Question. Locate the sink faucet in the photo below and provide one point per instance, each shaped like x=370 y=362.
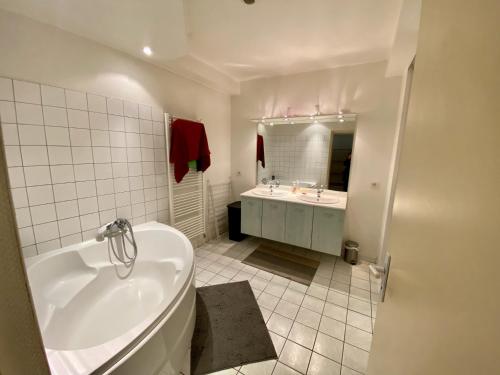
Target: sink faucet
x=115 y=229
x=319 y=190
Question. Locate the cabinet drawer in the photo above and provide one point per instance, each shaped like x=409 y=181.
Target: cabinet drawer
x=328 y=228
x=251 y=216
x=298 y=225
x=273 y=220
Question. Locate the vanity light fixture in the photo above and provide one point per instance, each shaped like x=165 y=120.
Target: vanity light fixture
x=307 y=119
x=147 y=51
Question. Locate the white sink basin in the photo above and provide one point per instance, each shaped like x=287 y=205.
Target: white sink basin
x=269 y=193
x=313 y=198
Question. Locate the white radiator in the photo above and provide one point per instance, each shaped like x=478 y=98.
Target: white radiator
x=187 y=198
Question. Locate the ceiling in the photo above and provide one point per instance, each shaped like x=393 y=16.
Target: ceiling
x=227 y=41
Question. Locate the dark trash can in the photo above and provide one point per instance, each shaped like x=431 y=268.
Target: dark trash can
x=234 y=221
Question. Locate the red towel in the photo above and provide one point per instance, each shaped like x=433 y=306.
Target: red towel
x=188 y=142
x=260 y=150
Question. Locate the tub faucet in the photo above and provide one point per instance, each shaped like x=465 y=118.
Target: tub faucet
x=116 y=230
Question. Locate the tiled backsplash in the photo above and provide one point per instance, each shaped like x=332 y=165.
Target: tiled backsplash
x=296 y=152
x=78 y=160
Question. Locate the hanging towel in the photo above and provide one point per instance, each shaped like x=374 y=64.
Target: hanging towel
x=260 y=150
x=188 y=142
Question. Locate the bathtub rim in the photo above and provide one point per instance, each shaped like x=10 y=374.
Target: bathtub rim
x=151 y=329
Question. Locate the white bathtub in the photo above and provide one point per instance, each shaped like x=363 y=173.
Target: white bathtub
x=98 y=318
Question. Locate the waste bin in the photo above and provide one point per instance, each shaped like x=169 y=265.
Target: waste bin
x=234 y=221
x=351 y=252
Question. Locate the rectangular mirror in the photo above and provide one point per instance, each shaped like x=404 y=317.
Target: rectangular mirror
x=307 y=154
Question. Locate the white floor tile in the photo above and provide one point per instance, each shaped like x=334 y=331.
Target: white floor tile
x=320 y=365
x=337 y=298
x=275 y=289
x=287 y=309
x=355 y=358
x=302 y=335
x=335 y=312
x=317 y=291
x=360 y=306
x=295 y=356
x=313 y=304
x=229 y=371
x=268 y=301
x=308 y=318
x=359 y=321
x=293 y=296
x=348 y=371
x=279 y=324
x=281 y=369
x=332 y=327
x=259 y=368
x=278 y=342
x=358 y=338
x=329 y=347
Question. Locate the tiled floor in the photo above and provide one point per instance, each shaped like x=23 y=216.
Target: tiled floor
x=322 y=329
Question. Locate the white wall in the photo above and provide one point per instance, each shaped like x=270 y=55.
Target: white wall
x=36 y=52
x=361 y=89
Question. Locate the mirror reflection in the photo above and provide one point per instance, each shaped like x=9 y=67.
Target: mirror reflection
x=306 y=155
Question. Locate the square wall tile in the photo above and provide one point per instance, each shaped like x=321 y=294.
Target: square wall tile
x=145 y=112
x=87 y=205
x=57 y=136
x=19 y=197
x=60 y=155
x=132 y=125
x=13 y=156
x=98 y=121
x=16 y=177
x=39 y=175
x=47 y=246
x=26 y=236
x=23 y=217
x=27 y=92
x=64 y=192
x=7 y=112
x=76 y=100
x=103 y=171
x=89 y=221
x=96 y=103
x=43 y=214
x=54 y=116
x=67 y=209
x=84 y=172
x=80 y=137
x=62 y=174
x=130 y=109
x=53 y=96
x=31 y=135
x=69 y=226
x=30 y=114
x=78 y=119
x=34 y=155
x=117 y=139
x=115 y=106
x=46 y=232
x=10 y=134
x=116 y=123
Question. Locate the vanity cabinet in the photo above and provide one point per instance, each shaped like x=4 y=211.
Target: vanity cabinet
x=251 y=216
x=328 y=226
x=273 y=220
x=298 y=224
x=311 y=227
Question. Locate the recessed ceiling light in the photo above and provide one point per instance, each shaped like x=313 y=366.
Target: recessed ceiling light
x=341 y=120
x=147 y=51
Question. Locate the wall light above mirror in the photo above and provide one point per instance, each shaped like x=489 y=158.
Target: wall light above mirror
x=307 y=119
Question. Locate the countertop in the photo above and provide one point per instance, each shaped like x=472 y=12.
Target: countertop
x=293 y=197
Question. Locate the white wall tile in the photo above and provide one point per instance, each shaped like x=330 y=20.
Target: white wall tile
x=46 y=232
x=124 y=211
x=84 y=172
x=31 y=135
x=7 y=112
x=16 y=177
x=57 y=136
x=67 y=209
x=39 y=175
x=118 y=154
x=30 y=114
x=6 y=92
x=157 y=115
x=40 y=195
x=86 y=189
x=103 y=171
x=47 y=246
x=27 y=92
x=137 y=196
x=148 y=154
x=59 y=155
x=55 y=116
x=64 y=192
x=96 y=103
x=105 y=187
x=147 y=140
x=101 y=154
x=136 y=183
x=26 y=236
x=120 y=170
x=82 y=155
x=69 y=226
x=145 y=112
x=116 y=123
x=19 y=197
x=34 y=155
x=117 y=139
x=29 y=251
x=133 y=140
x=130 y=109
x=89 y=221
x=10 y=134
x=23 y=217
x=76 y=100
x=133 y=154
x=62 y=174
x=134 y=169
x=121 y=184
x=13 y=156
x=107 y=216
x=53 y=96
x=158 y=128
x=146 y=126
x=99 y=138
x=122 y=199
x=106 y=202
x=80 y=137
x=98 y=120
x=43 y=214
x=78 y=119
x=138 y=210
x=115 y=106
x=132 y=125
x=87 y=205
x=71 y=239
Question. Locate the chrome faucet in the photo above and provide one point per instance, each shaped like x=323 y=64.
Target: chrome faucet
x=112 y=231
x=319 y=190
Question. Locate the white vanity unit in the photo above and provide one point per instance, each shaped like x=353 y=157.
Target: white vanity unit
x=299 y=219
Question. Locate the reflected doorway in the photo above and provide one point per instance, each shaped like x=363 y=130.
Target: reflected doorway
x=340 y=161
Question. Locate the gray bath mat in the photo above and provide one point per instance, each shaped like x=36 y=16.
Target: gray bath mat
x=229 y=330
x=283 y=263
